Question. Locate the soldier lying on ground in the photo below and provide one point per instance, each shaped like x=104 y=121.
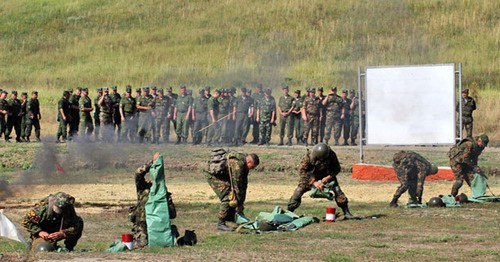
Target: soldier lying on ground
x=411 y=170
x=53 y=219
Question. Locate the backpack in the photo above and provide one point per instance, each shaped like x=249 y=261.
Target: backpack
x=217 y=164
x=457 y=149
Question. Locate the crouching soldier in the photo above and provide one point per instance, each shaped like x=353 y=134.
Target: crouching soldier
x=411 y=170
x=227 y=174
x=138 y=212
x=54 y=219
x=318 y=169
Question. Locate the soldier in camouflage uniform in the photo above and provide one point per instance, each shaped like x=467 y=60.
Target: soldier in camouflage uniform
x=346 y=121
x=14 y=119
x=411 y=170
x=182 y=112
x=170 y=111
x=463 y=160
x=4 y=111
x=199 y=115
x=75 y=113
x=145 y=106
x=242 y=112
x=354 y=108
x=63 y=116
x=248 y=121
x=117 y=119
x=266 y=114
x=33 y=116
x=285 y=106
x=106 y=107
x=311 y=113
x=128 y=109
x=138 y=212
x=213 y=133
x=225 y=110
x=257 y=96
x=54 y=219
x=97 y=112
x=22 y=115
x=322 y=122
x=86 y=125
x=226 y=172
x=317 y=169
x=468 y=107
x=231 y=119
x=160 y=120
x=334 y=115
x=298 y=122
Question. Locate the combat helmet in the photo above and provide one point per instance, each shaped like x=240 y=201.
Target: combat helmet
x=266 y=225
x=320 y=151
x=436 y=202
x=45 y=247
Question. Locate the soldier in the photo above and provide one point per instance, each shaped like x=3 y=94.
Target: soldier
x=162 y=105
x=298 y=122
x=242 y=111
x=13 y=118
x=22 y=115
x=257 y=96
x=248 y=120
x=97 y=112
x=138 y=212
x=346 y=121
x=334 y=115
x=170 y=111
x=86 y=125
x=231 y=119
x=64 y=117
x=199 y=115
x=213 y=133
x=227 y=175
x=117 y=119
x=411 y=170
x=285 y=106
x=207 y=92
x=128 y=116
x=33 y=116
x=266 y=114
x=355 y=116
x=322 y=122
x=311 y=113
x=190 y=121
x=106 y=107
x=54 y=219
x=225 y=110
x=317 y=169
x=145 y=106
x=75 y=113
x=463 y=160
x=468 y=107
x=4 y=111
x=182 y=111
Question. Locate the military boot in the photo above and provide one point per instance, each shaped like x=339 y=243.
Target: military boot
x=281 y=141
x=394 y=202
x=184 y=140
x=289 y=143
x=221 y=225
x=326 y=141
x=336 y=142
x=347 y=213
x=345 y=142
x=178 y=141
x=353 y=142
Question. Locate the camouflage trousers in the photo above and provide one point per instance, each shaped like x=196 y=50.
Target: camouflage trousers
x=23 y=126
x=334 y=122
x=322 y=127
x=468 y=124
x=222 y=189
x=199 y=123
x=265 y=129
x=286 y=124
x=144 y=126
x=311 y=124
x=255 y=129
x=182 y=129
x=106 y=127
x=296 y=199
x=410 y=182
x=161 y=123
x=462 y=172
x=140 y=232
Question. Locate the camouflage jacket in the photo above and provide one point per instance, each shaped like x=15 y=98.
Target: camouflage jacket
x=466 y=152
x=43 y=218
x=334 y=103
x=312 y=105
x=236 y=168
x=85 y=102
x=411 y=161
x=162 y=105
x=313 y=170
x=243 y=104
x=468 y=106
x=285 y=103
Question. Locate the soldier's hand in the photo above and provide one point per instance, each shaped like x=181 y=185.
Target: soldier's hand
x=318 y=185
x=257 y=120
x=174 y=117
x=187 y=117
x=64 y=118
x=342 y=116
x=155 y=156
x=44 y=235
x=272 y=121
x=56 y=235
x=304 y=118
x=477 y=170
x=123 y=119
x=325 y=179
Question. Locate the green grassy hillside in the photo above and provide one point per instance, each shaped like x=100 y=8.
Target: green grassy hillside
x=51 y=45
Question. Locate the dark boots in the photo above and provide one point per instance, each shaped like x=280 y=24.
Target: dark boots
x=289 y=143
x=353 y=142
x=178 y=140
x=281 y=141
x=394 y=202
x=221 y=225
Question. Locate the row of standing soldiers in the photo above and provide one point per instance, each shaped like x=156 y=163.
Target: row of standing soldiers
x=20 y=115
x=221 y=117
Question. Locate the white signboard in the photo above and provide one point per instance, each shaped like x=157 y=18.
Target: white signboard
x=410 y=105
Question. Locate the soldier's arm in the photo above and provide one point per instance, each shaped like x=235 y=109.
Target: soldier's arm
x=251 y=111
x=140 y=181
x=258 y=115
x=306 y=172
x=238 y=180
x=121 y=113
x=75 y=225
x=325 y=100
x=467 y=154
x=31 y=221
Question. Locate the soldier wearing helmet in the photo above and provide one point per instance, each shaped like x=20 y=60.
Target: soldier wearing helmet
x=318 y=168
x=411 y=170
x=54 y=219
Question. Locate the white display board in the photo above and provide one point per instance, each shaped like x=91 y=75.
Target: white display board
x=410 y=105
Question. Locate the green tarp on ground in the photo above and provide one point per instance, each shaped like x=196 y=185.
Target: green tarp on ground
x=286 y=220
x=157 y=215
x=478 y=187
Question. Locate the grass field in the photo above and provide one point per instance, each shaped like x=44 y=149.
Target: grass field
x=100 y=177
x=53 y=45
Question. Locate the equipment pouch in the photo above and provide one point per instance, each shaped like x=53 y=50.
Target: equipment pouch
x=233 y=201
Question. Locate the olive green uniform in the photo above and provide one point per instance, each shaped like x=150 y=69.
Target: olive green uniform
x=225 y=108
x=117 y=119
x=243 y=105
x=75 y=115
x=106 y=117
x=129 y=128
x=200 y=107
x=182 y=104
x=322 y=122
x=286 y=122
x=3 y=124
x=312 y=107
x=334 y=107
x=22 y=116
x=32 y=120
x=468 y=107
x=214 y=131
x=266 y=109
x=298 y=122
x=14 y=118
x=355 y=120
x=248 y=120
x=63 y=124
x=145 y=117
x=346 y=122
x=97 y=118
x=255 y=125
x=86 y=123
x=161 y=111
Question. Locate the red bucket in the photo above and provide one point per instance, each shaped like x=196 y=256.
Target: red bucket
x=127 y=238
x=330 y=214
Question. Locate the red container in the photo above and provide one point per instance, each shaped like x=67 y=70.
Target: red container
x=127 y=238
x=457 y=200
x=330 y=214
